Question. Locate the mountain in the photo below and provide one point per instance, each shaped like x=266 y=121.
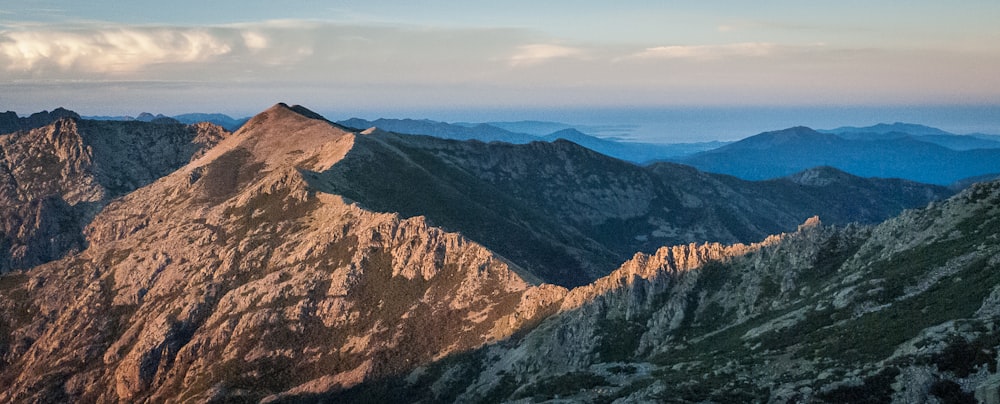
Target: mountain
x=481 y=132
x=906 y=311
x=919 y=132
x=10 y=122
x=782 y=153
x=233 y=279
x=536 y=128
x=55 y=178
x=148 y=117
x=567 y=213
x=300 y=260
x=635 y=152
x=961 y=142
x=911 y=129
x=225 y=121
x=222 y=120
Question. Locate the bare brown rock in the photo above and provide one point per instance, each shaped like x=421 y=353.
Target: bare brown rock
x=294 y=289
x=55 y=177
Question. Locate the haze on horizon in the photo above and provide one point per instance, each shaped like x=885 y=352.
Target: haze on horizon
x=114 y=58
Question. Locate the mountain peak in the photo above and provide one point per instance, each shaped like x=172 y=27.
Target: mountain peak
x=281 y=114
x=285 y=136
x=820 y=176
x=283 y=108
x=795 y=135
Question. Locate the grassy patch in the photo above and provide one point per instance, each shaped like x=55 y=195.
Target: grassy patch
x=875 y=335
x=962 y=357
x=704 y=385
x=618 y=339
x=564 y=385
x=950 y=392
x=875 y=389
x=503 y=389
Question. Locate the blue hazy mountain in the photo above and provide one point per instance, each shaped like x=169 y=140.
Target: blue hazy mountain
x=784 y=152
x=229 y=123
x=628 y=151
x=923 y=133
x=885 y=128
x=481 y=132
x=537 y=128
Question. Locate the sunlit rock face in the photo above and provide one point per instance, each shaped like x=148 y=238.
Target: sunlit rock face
x=54 y=177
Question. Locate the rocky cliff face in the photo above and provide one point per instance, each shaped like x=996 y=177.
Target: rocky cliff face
x=902 y=312
x=55 y=178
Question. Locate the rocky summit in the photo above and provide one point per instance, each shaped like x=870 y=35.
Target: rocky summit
x=297 y=260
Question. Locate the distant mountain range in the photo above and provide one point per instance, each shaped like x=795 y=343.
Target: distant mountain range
x=884 y=131
x=639 y=153
x=898 y=150
x=223 y=120
x=879 y=151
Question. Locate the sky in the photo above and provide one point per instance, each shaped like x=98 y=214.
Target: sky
x=399 y=58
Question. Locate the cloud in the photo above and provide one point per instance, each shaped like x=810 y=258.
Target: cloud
x=538 y=53
x=295 y=50
x=254 y=40
x=708 y=52
x=106 y=50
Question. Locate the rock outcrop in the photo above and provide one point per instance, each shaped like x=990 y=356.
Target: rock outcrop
x=55 y=178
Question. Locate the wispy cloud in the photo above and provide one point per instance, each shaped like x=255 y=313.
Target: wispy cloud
x=538 y=53
x=708 y=52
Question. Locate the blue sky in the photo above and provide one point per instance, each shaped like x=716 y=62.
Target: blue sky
x=239 y=57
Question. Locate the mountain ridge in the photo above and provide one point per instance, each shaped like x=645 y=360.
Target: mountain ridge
x=10 y=122
x=639 y=153
x=825 y=314
x=567 y=213
x=298 y=260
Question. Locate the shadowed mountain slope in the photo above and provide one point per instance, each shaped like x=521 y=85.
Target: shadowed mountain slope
x=568 y=214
